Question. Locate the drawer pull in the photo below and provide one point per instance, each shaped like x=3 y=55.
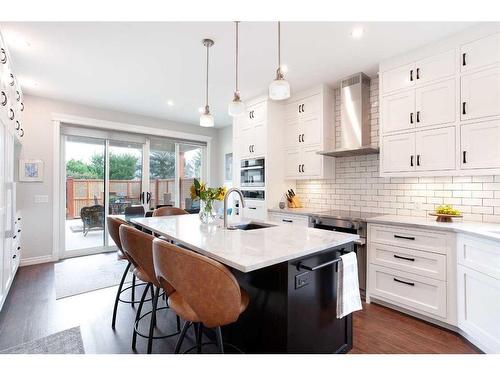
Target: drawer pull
x=403 y=282
x=400 y=257
x=252 y=208
x=404 y=237
x=287 y=220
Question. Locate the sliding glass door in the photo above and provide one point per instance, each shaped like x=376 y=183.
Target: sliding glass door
x=109 y=173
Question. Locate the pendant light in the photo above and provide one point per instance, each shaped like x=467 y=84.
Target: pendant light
x=236 y=107
x=206 y=118
x=279 y=89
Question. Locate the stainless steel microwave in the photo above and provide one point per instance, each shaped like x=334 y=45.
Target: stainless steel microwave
x=253 y=173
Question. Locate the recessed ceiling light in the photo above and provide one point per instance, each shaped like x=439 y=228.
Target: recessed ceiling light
x=17 y=41
x=170 y=103
x=357 y=32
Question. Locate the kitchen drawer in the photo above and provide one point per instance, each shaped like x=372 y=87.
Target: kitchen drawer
x=421 y=294
x=289 y=219
x=417 y=262
x=255 y=209
x=479 y=254
x=409 y=238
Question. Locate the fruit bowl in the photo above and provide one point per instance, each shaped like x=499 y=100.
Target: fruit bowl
x=444 y=218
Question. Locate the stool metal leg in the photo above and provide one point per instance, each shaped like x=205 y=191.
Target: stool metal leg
x=133 y=291
x=181 y=337
x=153 y=320
x=138 y=315
x=199 y=335
x=220 y=343
x=120 y=287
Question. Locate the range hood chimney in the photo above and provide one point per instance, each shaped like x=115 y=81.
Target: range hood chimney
x=355 y=127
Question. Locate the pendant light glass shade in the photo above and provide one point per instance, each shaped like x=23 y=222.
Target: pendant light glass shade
x=236 y=107
x=206 y=118
x=279 y=89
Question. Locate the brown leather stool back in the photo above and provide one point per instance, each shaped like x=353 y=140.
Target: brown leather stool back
x=114 y=231
x=169 y=211
x=138 y=246
x=207 y=286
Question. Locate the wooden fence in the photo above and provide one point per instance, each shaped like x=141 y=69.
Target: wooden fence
x=88 y=192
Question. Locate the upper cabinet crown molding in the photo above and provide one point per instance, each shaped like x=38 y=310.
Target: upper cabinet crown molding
x=437 y=99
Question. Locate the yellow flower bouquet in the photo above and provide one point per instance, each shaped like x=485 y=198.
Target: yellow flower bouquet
x=207 y=196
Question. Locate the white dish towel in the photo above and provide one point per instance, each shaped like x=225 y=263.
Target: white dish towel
x=348 y=299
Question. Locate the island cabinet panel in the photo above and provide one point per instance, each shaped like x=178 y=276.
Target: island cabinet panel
x=292 y=310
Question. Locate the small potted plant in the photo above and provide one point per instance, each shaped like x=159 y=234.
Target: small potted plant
x=207 y=196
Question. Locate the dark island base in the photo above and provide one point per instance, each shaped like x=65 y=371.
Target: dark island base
x=292 y=310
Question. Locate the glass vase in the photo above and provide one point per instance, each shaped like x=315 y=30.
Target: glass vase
x=207 y=212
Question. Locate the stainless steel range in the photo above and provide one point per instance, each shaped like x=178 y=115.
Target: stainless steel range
x=348 y=222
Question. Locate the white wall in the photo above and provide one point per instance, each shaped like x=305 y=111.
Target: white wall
x=358 y=187
x=224 y=146
x=38 y=144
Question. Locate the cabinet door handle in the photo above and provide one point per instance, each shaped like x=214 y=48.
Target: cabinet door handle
x=411 y=75
x=18 y=96
x=404 y=237
x=11 y=114
x=464 y=112
x=299 y=138
x=418 y=116
x=18 y=125
x=302 y=138
x=287 y=221
x=405 y=258
x=411 y=118
x=418 y=73
x=21 y=132
x=22 y=106
x=404 y=282
x=299 y=168
x=299 y=108
x=418 y=160
x=4 y=99
x=302 y=168
x=12 y=81
x=252 y=208
x=464 y=157
x=464 y=62
x=303 y=110
x=411 y=160
x=3 y=56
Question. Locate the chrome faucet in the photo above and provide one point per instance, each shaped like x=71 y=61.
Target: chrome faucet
x=225 y=202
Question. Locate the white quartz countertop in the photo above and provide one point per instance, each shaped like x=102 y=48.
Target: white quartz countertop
x=486 y=230
x=245 y=250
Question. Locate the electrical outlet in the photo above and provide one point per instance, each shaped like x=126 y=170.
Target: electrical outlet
x=41 y=198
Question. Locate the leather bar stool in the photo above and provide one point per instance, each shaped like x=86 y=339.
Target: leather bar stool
x=169 y=211
x=206 y=292
x=138 y=245
x=114 y=224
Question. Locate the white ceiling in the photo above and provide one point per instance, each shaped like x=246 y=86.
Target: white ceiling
x=137 y=67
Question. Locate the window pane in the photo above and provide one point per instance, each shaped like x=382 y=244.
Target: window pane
x=190 y=168
x=162 y=172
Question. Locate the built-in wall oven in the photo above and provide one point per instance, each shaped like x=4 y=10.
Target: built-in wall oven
x=348 y=226
x=252 y=173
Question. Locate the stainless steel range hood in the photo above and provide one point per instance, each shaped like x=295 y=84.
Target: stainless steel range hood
x=355 y=127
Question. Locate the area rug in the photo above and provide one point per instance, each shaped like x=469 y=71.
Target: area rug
x=86 y=274
x=64 y=342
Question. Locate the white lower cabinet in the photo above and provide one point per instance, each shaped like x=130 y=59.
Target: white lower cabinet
x=480 y=145
x=479 y=308
x=255 y=209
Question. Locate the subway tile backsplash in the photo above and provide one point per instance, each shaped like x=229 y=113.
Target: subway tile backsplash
x=358 y=187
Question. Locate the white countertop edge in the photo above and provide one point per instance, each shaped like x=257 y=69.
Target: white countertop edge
x=348 y=238
x=480 y=229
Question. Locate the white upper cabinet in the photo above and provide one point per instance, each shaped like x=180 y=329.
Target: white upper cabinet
x=480 y=94
x=435 y=67
x=479 y=53
x=398 y=78
x=480 y=145
x=435 y=149
x=435 y=104
x=398 y=153
x=398 y=111
x=309 y=128
x=250 y=132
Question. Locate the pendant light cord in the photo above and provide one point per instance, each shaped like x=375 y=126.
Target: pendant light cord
x=279 y=46
x=237 y=55
x=208 y=48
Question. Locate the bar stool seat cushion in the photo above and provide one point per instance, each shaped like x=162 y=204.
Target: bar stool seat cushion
x=182 y=308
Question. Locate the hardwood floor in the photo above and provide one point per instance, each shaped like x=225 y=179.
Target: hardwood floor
x=31 y=311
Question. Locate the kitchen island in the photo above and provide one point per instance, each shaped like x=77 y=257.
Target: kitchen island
x=290 y=273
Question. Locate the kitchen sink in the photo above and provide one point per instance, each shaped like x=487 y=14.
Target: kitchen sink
x=250 y=226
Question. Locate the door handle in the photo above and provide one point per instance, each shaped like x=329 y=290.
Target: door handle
x=404 y=237
x=464 y=112
x=418 y=73
x=464 y=157
x=302 y=138
x=303 y=110
x=411 y=75
x=302 y=168
x=400 y=257
x=411 y=118
x=287 y=221
x=404 y=282
x=411 y=160
x=418 y=116
x=299 y=169
x=464 y=62
x=252 y=208
x=148 y=197
x=418 y=160
x=299 y=138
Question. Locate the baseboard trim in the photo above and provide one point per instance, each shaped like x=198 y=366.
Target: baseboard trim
x=37 y=260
